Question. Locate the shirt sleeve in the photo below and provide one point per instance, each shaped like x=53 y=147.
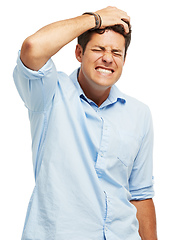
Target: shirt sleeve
x=36 y=88
x=141 y=179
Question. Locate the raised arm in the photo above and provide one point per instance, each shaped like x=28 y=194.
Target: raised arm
x=39 y=47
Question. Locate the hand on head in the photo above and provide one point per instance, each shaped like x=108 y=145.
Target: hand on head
x=111 y=16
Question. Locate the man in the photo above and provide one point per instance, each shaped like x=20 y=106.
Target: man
x=91 y=144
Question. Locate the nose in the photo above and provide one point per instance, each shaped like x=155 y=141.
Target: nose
x=107 y=57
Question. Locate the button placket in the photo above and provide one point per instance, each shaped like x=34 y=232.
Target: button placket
x=107 y=218
x=100 y=163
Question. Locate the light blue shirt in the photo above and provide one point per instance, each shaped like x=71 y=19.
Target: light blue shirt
x=89 y=161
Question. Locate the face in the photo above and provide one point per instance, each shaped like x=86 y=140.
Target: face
x=102 y=61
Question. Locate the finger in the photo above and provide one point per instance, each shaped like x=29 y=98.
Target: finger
x=126 y=25
x=125 y=21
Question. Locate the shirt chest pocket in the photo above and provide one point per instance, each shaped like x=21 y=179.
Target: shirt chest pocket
x=127 y=149
x=124 y=149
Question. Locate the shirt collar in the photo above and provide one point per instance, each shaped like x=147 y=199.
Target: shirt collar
x=115 y=94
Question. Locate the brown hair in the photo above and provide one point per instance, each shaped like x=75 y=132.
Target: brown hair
x=84 y=38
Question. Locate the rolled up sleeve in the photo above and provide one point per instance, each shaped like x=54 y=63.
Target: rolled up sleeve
x=36 y=88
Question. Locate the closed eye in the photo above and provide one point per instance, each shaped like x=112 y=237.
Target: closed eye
x=117 y=53
x=96 y=50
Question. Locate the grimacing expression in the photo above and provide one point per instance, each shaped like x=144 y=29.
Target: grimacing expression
x=103 y=59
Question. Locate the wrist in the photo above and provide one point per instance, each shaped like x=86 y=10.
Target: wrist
x=97 y=18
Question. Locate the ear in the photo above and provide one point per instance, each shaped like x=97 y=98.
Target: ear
x=79 y=52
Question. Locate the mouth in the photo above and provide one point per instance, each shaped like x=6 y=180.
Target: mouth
x=104 y=70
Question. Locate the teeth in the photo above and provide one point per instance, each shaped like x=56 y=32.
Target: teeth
x=102 y=70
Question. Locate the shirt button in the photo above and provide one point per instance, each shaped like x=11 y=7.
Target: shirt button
x=122 y=101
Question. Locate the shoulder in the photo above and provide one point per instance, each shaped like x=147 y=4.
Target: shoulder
x=135 y=104
x=66 y=84
x=136 y=110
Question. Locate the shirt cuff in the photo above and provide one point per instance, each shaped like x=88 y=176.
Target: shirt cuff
x=142 y=194
x=31 y=73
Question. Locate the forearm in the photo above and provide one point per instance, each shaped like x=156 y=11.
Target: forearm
x=147 y=219
x=42 y=45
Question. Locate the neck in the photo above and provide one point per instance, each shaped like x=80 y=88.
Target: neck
x=97 y=97
x=97 y=94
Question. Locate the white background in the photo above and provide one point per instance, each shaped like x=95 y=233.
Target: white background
x=151 y=74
